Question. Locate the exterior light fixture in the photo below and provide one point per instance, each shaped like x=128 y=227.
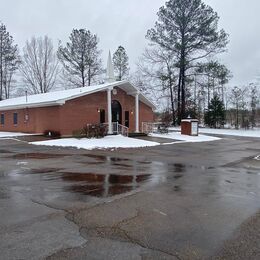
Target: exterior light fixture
x=114 y=91
x=132 y=112
x=98 y=110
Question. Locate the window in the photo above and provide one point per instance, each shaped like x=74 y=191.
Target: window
x=15 y=118
x=2 y=119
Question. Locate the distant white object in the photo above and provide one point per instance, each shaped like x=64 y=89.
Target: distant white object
x=110 y=70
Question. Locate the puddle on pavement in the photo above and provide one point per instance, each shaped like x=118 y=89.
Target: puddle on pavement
x=177 y=167
x=40 y=156
x=176 y=188
x=122 y=165
x=116 y=159
x=137 y=174
x=3 y=195
x=178 y=176
x=99 y=190
x=44 y=170
x=4 y=151
x=96 y=157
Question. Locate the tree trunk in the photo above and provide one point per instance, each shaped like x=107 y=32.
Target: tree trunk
x=172 y=105
x=179 y=99
x=183 y=94
x=1 y=67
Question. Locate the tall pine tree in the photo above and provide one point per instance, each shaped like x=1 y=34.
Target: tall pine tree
x=215 y=116
x=80 y=57
x=9 y=61
x=189 y=29
x=120 y=60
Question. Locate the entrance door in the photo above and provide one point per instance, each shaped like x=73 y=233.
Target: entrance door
x=116 y=112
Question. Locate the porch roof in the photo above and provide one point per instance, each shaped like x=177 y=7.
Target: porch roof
x=56 y=98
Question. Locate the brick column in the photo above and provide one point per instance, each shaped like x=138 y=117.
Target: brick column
x=137 y=112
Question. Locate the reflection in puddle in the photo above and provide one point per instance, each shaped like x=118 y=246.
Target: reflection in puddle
x=4 y=195
x=23 y=156
x=177 y=188
x=87 y=177
x=99 y=190
x=177 y=167
x=126 y=175
x=44 y=170
x=99 y=185
x=178 y=176
x=96 y=157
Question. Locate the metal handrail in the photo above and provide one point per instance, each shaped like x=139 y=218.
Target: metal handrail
x=119 y=129
x=148 y=127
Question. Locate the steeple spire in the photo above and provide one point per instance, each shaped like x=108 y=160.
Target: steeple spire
x=110 y=69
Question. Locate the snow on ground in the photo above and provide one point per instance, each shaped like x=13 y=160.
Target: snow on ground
x=114 y=141
x=11 y=134
x=119 y=141
x=234 y=132
x=241 y=132
x=186 y=138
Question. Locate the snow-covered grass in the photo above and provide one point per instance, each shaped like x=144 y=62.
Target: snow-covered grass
x=186 y=138
x=234 y=132
x=117 y=141
x=11 y=134
x=240 y=132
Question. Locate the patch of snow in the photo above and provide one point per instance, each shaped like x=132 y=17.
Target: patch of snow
x=234 y=132
x=11 y=134
x=117 y=141
x=186 y=138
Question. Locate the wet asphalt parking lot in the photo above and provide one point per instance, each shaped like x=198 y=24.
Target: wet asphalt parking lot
x=179 y=201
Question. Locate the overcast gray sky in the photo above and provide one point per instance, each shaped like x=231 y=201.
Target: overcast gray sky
x=125 y=22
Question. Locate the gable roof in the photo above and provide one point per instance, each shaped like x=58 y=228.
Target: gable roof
x=60 y=97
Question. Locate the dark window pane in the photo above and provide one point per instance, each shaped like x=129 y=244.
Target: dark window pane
x=2 y=119
x=15 y=118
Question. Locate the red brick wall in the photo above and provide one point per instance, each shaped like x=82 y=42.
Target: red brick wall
x=74 y=114
x=39 y=119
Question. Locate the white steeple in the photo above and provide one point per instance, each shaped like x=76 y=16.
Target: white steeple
x=110 y=69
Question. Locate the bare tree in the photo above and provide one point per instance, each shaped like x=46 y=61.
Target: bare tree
x=39 y=66
x=158 y=65
x=237 y=98
x=254 y=101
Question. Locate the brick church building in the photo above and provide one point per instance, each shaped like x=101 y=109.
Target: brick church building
x=69 y=110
